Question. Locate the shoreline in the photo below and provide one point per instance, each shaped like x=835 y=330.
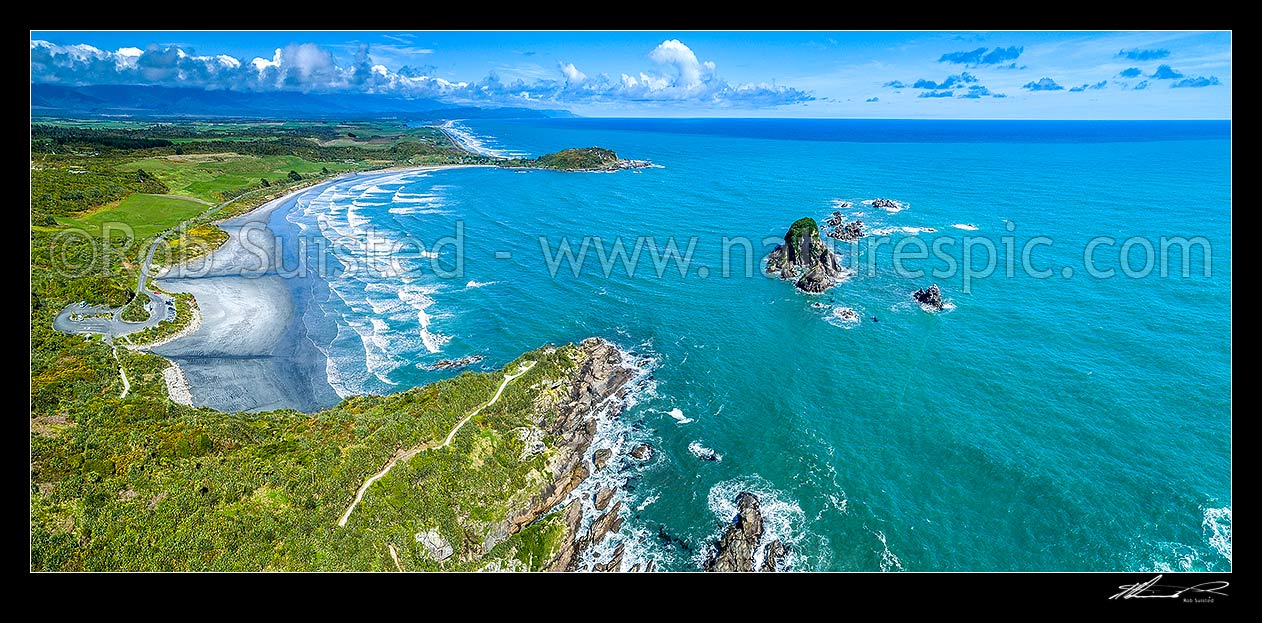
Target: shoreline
x=250 y=349
x=194 y=324
x=460 y=142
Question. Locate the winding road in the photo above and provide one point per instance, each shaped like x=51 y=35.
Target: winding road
x=115 y=326
x=359 y=495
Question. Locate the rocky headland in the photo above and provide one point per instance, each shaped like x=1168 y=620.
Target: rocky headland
x=601 y=373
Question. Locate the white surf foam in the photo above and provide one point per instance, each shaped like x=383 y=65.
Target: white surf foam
x=679 y=416
x=837 y=317
x=912 y=231
x=433 y=341
x=702 y=452
x=965 y=226
x=478 y=284
x=420 y=299
x=1216 y=525
x=474 y=143
x=422 y=199
x=889 y=561
x=947 y=307
x=1171 y=557
x=619 y=435
x=647 y=501
x=782 y=518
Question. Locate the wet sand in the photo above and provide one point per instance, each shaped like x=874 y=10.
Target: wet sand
x=251 y=352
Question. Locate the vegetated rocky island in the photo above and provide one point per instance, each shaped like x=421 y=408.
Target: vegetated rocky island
x=577 y=159
x=804 y=259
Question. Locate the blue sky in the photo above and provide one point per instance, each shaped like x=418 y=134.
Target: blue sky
x=1020 y=75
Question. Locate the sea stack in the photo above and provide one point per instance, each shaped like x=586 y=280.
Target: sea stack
x=735 y=549
x=805 y=259
x=929 y=298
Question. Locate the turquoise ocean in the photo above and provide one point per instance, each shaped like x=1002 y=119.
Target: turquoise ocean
x=1039 y=423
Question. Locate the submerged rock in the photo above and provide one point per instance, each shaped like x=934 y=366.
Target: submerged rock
x=845 y=314
x=704 y=453
x=447 y=364
x=930 y=298
x=805 y=258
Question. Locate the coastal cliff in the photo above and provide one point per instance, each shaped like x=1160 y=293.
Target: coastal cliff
x=569 y=419
x=805 y=259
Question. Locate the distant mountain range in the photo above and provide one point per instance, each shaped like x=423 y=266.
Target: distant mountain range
x=51 y=100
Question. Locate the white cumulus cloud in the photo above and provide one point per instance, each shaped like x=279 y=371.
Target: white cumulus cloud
x=678 y=78
x=674 y=53
x=572 y=74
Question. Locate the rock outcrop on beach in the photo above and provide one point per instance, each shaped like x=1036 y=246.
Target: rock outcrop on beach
x=930 y=298
x=736 y=548
x=805 y=259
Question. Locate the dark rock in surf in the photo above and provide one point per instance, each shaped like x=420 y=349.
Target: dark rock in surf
x=773 y=556
x=602 y=498
x=929 y=298
x=846 y=232
x=600 y=458
x=735 y=549
x=642 y=452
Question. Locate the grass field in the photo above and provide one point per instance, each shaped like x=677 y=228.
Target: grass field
x=206 y=175
x=146 y=214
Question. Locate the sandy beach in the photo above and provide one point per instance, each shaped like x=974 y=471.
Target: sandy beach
x=251 y=351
